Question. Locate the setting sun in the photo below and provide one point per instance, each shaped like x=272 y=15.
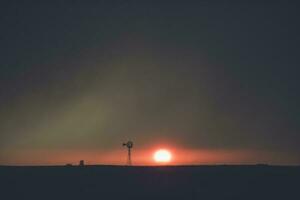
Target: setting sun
x=162 y=156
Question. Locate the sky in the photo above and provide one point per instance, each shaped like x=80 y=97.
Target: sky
x=215 y=83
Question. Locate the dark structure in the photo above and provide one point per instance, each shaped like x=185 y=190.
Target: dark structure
x=81 y=163
x=129 y=145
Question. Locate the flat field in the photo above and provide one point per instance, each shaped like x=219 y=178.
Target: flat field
x=167 y=182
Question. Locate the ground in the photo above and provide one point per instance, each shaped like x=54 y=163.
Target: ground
x=181 y=182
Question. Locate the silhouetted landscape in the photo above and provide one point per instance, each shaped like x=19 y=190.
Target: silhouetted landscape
x=152 y=91
x=167 y=182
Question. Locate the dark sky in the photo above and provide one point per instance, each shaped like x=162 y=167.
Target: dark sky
x=198 y=75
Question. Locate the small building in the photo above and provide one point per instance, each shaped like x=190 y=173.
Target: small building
x=81 y=163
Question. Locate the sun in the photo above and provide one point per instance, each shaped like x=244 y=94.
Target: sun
x=162 y=156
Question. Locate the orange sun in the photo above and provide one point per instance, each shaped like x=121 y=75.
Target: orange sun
x=162 y=156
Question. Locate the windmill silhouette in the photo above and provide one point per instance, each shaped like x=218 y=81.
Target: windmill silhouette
x=129 y=146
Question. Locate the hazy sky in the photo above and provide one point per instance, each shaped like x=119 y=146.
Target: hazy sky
x=84 y=77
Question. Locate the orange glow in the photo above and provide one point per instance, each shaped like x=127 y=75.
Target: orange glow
x=162 y=156
x=142 y=156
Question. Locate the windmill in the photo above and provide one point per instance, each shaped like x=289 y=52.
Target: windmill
x=129 y=146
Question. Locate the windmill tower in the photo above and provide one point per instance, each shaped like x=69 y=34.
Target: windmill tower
x=129 y=146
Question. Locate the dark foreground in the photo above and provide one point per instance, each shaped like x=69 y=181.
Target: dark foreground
x=109 y=182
